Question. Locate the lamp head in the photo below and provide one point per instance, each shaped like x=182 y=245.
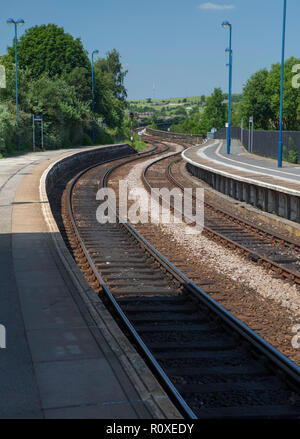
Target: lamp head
x=20 y=22
x=95 y=52
x=226 y=24
x=10 y=21
x=227 y=50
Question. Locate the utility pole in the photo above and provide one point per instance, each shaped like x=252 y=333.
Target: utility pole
x=281 y=86
x=131 y=127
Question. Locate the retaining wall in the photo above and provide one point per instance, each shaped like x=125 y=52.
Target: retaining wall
x=279 y=203
x=73 y=164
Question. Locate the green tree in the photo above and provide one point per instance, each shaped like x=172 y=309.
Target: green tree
x=291 y=96
x=214 y=115
x=55 y=81
x=110 y=92
x=256 y=100
x=180 y=111
x=112 y=68
x=261 y=98
x=7 y=129
x=49 y=49
x=64 y=114
x=80 y=78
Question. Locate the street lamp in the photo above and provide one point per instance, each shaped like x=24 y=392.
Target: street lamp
x=281 y=87
x=19 y=22
x=93 y=97
x=227 y=25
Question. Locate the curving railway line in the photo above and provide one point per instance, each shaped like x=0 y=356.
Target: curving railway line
x=211 y=364
x=262 y=245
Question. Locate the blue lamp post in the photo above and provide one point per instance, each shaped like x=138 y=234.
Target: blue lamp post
x=227 y=25
x=93 y=97
x=19 y=22
x=281 y=87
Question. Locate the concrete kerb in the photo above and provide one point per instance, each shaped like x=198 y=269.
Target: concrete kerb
x=146 y=385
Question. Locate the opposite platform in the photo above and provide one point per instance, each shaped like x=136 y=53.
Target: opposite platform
x=247 y=177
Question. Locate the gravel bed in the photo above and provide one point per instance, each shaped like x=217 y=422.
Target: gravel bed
x=269 y=305
x=206 y=362
x=182 y=338
x=240 y=398
x=223 y=260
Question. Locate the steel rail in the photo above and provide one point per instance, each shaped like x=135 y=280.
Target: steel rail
x=279 y=268
x=276 y=358
x=265 y=348
x=295 y=276
x=180 y=402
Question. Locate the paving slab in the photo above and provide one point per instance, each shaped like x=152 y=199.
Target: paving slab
x=62 y=344
x=120 y=410
x=77 y=383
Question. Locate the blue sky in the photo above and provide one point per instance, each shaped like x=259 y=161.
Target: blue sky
x=178 y=45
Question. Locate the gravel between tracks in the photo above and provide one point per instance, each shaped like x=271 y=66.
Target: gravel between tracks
x=224 y=260
x=268 y=305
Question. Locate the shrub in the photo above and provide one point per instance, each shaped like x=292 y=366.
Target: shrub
x=293 y=152
x=86 y=140
x=7 y=129
x=285 y=153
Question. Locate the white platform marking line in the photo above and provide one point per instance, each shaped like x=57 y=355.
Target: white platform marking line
x=201 y=154
x=246 y=164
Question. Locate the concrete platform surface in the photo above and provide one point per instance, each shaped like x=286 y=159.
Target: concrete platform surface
x=244 y=166
x=58 y=361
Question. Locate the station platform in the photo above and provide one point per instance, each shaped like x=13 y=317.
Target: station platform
x=247 y=177
x=252 y=168
x=64 y=357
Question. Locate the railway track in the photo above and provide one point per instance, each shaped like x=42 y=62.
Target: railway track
x=259 y=244
x=210 y=364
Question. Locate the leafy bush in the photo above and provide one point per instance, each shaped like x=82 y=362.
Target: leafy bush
x=293 y=152
x=86 y=140
x=138 y=144
x=7 y=129
x=55 y=82
x=2 y=146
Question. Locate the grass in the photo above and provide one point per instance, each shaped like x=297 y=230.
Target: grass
x=139 y=145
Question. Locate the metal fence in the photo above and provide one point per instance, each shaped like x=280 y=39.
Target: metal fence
x=265 y=143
